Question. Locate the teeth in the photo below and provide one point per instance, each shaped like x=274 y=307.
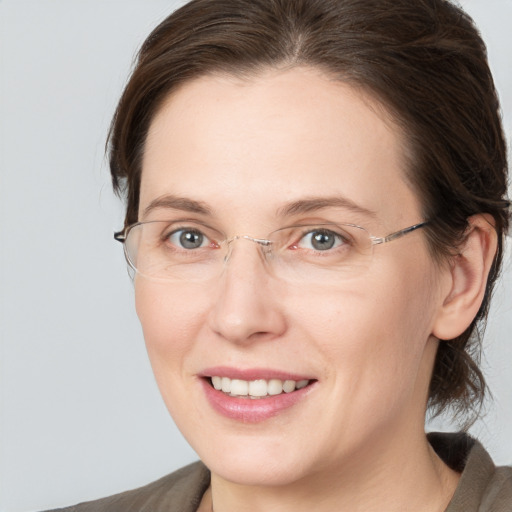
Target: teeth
x=226 y=385
x=239 y=387
x=289 y=386
x=302 y=384
x=275 y=387
x=217 y=382
x=256 y=388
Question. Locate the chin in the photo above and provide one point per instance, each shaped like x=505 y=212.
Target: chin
x=256 y=473
x=255 y=461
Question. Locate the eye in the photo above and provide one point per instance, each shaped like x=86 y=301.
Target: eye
x=187 y=238
x=321 y=240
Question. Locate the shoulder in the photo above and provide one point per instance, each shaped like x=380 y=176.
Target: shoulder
x=500 y=491
x=490 y=486
x=483 y=487
x=180 y=491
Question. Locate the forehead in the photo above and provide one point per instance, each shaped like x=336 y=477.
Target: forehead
x=252 y=145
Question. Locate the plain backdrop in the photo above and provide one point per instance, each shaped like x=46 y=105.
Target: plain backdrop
x=81 y=416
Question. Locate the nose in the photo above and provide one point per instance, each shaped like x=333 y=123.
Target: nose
x=247 y=307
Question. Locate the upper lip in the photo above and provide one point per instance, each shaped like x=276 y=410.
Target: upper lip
x=252 y=374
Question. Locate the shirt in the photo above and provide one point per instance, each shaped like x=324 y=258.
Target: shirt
x=483 y=487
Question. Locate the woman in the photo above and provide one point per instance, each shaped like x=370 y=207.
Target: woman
x=316 y=212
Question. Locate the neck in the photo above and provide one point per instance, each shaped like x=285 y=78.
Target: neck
x=406 y=476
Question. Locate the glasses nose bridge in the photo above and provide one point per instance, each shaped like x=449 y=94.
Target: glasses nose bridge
x=264 y=244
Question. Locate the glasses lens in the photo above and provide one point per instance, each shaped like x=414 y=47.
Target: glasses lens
x=173 y=251
x=322 y=252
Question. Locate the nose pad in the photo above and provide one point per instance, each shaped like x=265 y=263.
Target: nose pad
x=265 y=245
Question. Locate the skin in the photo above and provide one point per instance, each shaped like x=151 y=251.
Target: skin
x=246 y=148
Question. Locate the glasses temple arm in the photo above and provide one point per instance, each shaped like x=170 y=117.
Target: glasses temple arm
x=398 y=234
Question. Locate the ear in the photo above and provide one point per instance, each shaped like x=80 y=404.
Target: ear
x=467 y=278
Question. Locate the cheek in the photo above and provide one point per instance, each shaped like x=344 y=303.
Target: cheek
x=171 y=321
x=372 y=338
x=171 y=318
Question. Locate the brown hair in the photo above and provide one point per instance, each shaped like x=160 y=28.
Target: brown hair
x=424 y=60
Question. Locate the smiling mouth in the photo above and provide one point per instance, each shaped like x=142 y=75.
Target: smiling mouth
x=256 y=389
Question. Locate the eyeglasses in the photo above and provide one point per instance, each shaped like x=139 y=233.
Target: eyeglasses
x=189 y=251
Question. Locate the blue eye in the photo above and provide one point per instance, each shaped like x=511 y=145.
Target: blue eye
x=321 y=240
x=188 y=239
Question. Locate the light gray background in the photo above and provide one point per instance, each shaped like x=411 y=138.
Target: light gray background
x=81 y=416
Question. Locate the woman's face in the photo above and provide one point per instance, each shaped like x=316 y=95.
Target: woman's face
x=246 y=157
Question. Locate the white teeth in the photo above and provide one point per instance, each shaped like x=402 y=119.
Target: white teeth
x=256 y=388
x=301 y=384
x=275 y=387
x=289 y=386
x=217 y=382
x=226 y=385
x=239 y=387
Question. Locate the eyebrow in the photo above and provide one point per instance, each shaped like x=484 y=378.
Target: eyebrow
x=173 y=202
x=301 y=206
x=311 y=204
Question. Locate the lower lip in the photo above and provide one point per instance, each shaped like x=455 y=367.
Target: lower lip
x=247 y=410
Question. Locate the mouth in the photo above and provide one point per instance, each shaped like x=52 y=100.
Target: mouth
x=254 y=395
x=256 y=389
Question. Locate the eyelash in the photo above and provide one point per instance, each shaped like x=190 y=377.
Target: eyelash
x=166 y=236
x=339 y=239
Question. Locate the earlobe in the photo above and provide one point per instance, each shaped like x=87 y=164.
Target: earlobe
x=468 y=274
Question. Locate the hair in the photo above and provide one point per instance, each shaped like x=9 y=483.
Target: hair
x=423 y=60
